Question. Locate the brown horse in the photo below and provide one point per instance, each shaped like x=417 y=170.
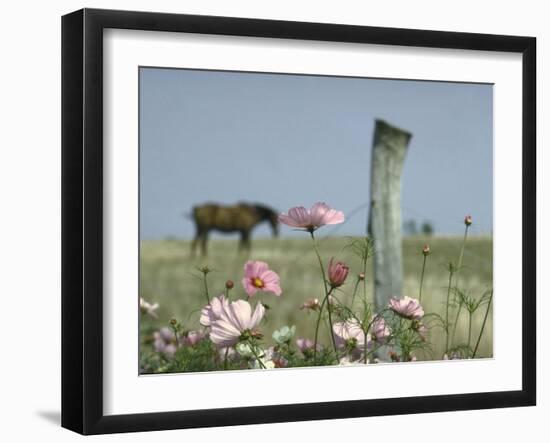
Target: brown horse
x=242 y=218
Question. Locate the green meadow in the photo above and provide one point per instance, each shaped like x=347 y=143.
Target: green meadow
x=170 y=276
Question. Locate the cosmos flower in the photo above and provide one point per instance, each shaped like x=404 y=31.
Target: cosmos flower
x=318 y=215
x=337 y=273
x=213 y=310
x=148 y=308
x=422 y=330
x=234 y=319
x=380 y=330
x=407 y=307
x=164 y=341
x=193 y=337
x=306 y=344
x=350 y=336
x=258 y=277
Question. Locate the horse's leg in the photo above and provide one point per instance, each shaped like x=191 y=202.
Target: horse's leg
x=204 y=239
x=198 y=234
x=241 y=242
x=245 y=241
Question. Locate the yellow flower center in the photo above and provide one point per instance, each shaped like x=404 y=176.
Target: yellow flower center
x=258 y=282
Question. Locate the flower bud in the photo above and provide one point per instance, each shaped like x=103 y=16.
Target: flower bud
x=468 y=220
x=311 y=303
x=229 y=284
x=173 y=322
x=361 y=276
x=337 y=273
x=393 y=356
x=426 y=250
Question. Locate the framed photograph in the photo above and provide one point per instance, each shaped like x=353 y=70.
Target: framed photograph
x=268 y=221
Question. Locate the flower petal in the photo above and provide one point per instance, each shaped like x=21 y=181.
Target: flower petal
x=289 y=221
x=300 y=215
x=333 y=217
x=248 y=286
x=239 y=313
x=271 y=282
x=257 y=315
x=224 y=333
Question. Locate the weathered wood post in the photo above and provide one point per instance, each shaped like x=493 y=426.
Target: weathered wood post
x=388 y=155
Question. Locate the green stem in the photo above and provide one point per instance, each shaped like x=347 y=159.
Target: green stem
x=317 y=331
x=174 y=330
x=366 y=360
x=355 y=291
x=327 y=295
x=225 y=358
x=447 y=310
x=460 y=258
x=253 y=350
x=469 y=332
x=483 y=325
x=206 y=288
x=422 y=279
x=365 y=274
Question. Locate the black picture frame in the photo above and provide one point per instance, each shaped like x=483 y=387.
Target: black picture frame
x=82 y=220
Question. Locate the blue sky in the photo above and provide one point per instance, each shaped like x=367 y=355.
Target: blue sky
x=289 y=140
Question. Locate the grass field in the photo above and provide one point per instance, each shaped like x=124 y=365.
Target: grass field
x=169 y=276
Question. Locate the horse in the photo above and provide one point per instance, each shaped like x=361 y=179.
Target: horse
x=241 y=218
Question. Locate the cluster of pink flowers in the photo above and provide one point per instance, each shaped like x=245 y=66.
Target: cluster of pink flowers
x=164 y=340
x=233 y=325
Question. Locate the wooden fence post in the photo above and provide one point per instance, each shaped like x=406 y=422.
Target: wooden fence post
x=388 y=155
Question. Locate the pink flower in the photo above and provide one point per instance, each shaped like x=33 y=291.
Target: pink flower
x=349 y=335
x=407 y=307
x=422 y=330
x=380 y=329
x=234 y=319
x=213 y=310
x=164 y=341
x=193 y=337
x=306 y=344
x=258 y=277
x=319 y=215
x=337 y=273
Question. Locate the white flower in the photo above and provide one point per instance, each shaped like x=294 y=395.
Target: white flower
x=244 y=350
x=147 y=308
x=284 y=335
x=265 y=364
